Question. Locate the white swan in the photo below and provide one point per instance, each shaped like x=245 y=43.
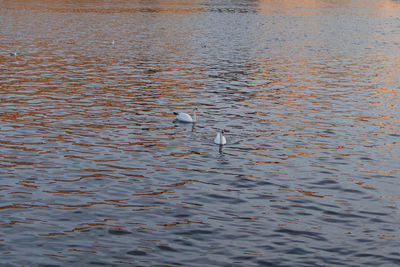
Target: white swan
x=220 y=138
x=184 y=117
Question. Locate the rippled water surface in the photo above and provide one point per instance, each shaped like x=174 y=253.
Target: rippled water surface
x=95 y=171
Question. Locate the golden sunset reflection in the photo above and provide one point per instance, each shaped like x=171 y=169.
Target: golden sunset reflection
x=95 y=170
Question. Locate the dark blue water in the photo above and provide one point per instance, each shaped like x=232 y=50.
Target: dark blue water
x=95 y=172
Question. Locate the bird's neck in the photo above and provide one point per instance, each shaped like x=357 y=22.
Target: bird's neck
x=194 y=116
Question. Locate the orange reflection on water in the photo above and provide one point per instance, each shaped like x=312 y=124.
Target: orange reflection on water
x=53 y=234
x=281 y=211
x=81 y=250
x=77 y=229
x=28 y=184
x=180 y=222
x=22 y=206
x=15 y=222
x=184 y=181
x=363 y=184
x=383 y=172
x=392 y=197
x=309 y=193
x=153 y=193
x=388 y=236
x=62 y=192
x=317 y=7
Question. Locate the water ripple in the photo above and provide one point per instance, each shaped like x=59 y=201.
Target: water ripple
x=94 y=170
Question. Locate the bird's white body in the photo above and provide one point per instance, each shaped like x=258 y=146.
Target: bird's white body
x=220 y=138
x=184 y=117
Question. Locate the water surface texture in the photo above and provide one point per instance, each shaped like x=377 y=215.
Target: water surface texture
x=95 y=172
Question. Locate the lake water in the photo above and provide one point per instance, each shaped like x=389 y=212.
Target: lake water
x=95 y=172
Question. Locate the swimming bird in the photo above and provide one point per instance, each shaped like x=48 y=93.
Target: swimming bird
x=184 y=117
x=220 y=138
x=13 y=54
